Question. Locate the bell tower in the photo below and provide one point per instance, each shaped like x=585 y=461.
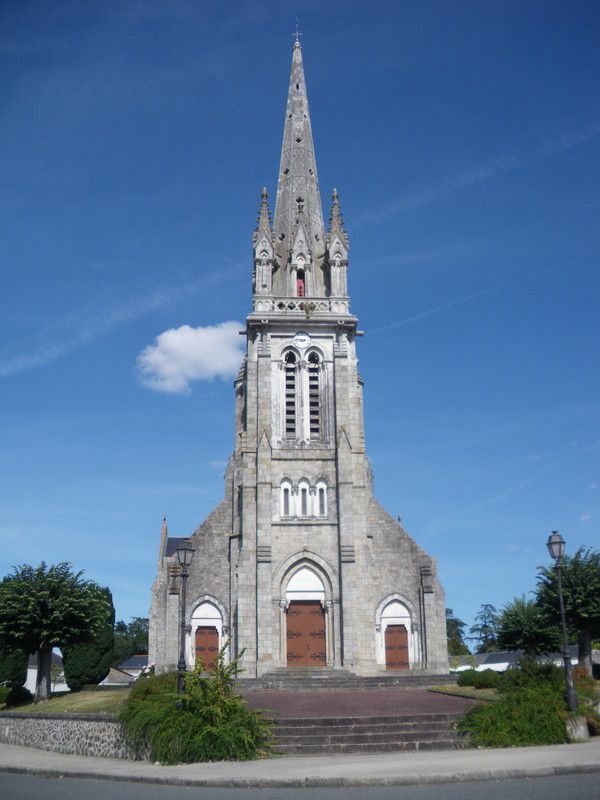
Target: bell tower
x=299 y=566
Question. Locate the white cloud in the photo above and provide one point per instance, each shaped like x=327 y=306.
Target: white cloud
x=587 y=516
x=183 y=355
x=79 y=328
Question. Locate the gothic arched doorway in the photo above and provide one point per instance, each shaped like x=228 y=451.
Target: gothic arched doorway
x=305 y=620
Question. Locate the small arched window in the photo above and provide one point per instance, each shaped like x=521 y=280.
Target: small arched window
x=290 y=394
x=314 y=398
x=303 y=499
x=286 y=500
x=321 y=500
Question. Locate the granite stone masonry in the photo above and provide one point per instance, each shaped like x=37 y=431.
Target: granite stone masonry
x=299 y=566
x=77 y=734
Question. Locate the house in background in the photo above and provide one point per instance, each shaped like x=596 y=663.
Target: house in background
x=134 y=665
x=504 y=659
x=57 y=676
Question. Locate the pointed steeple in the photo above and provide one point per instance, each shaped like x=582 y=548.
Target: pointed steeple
x=264 y=218
x=298 y=185
x=337 y=250
x=264 y=249
x=336 y=222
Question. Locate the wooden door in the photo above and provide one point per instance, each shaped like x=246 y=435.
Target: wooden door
x=305 y=634
x=207 y=645
x=396 y=647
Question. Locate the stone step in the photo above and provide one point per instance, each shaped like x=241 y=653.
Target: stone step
x=334 y=679
x=406 y=719
x=373 y=747
x=366 y=734
x=392 y=729
x=365 y=738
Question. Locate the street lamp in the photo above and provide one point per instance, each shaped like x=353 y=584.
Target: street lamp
x=185 y=553
x=556 y=548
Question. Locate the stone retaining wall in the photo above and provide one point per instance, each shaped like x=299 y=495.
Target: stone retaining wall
x=79 y=734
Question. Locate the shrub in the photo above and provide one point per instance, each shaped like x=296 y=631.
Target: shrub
x=209 y=722
x=4 y=692
x=487 y=679
x=528 y=672
x=18 y=696
x=528 y=715
x=466 y=677
x=13 y=667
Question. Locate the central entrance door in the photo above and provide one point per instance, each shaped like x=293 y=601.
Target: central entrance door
x=396 y=647
x=207 y=645
x=305 y=634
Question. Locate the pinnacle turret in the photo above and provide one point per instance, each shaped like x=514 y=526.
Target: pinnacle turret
x=264 y=249
x=336 y=221
x=263 y=224
x=298 y=186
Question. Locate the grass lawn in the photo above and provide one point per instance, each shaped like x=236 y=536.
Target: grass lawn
x=104 y=702
x=467 y=691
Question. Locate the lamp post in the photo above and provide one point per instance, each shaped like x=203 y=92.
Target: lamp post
x=556 y=548
x=185 y=553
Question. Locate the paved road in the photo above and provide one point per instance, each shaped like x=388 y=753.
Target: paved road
x=357 y=702
x=564 y=787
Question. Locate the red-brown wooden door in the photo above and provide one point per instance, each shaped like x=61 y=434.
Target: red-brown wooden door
x=207 y=645
x=396 y=647
x=305 y=634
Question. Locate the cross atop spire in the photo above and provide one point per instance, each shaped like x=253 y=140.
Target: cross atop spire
x=298 y=178
x=296 y=34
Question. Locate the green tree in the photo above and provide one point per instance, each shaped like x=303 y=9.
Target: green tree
x=485 y=629
x=130 y=638
x=13 y=667
x=522 y=625
x=90 y=662
x=581 y=592
x=45 y=607
x=455 y=630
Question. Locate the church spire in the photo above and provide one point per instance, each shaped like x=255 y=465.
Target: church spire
x=298 y=185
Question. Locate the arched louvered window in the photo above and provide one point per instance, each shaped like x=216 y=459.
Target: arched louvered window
x=290 y=394
x=314 y=398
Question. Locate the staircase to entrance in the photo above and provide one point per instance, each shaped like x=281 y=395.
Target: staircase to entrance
x=387 y=734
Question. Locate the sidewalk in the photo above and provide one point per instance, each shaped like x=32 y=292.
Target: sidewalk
x=446 y=766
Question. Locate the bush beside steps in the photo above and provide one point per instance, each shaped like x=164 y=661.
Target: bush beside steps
x=208 y=722
x=531 y=707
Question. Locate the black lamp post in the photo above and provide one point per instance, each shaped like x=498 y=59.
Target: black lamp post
x=556 y=548
x=185 y=553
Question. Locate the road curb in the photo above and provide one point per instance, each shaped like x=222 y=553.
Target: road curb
x=310 y=781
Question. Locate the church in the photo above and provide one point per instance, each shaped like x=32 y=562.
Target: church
x=299 y=566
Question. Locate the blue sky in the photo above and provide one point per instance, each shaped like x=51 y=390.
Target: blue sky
x=464 y=139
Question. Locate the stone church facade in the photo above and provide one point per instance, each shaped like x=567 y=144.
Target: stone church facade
x=299 y=566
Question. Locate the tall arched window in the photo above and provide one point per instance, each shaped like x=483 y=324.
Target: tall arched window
x=300 y=289
x=286 y=499
x=303 y=496
x=290 y=394
x=321 y=500
x=314 y=399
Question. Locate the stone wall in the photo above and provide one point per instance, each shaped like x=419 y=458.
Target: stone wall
x=98 y=735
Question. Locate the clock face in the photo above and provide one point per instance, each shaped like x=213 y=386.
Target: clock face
x=301 y=340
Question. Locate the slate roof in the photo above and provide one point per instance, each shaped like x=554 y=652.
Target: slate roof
x=173 y=543
x=137 y=661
